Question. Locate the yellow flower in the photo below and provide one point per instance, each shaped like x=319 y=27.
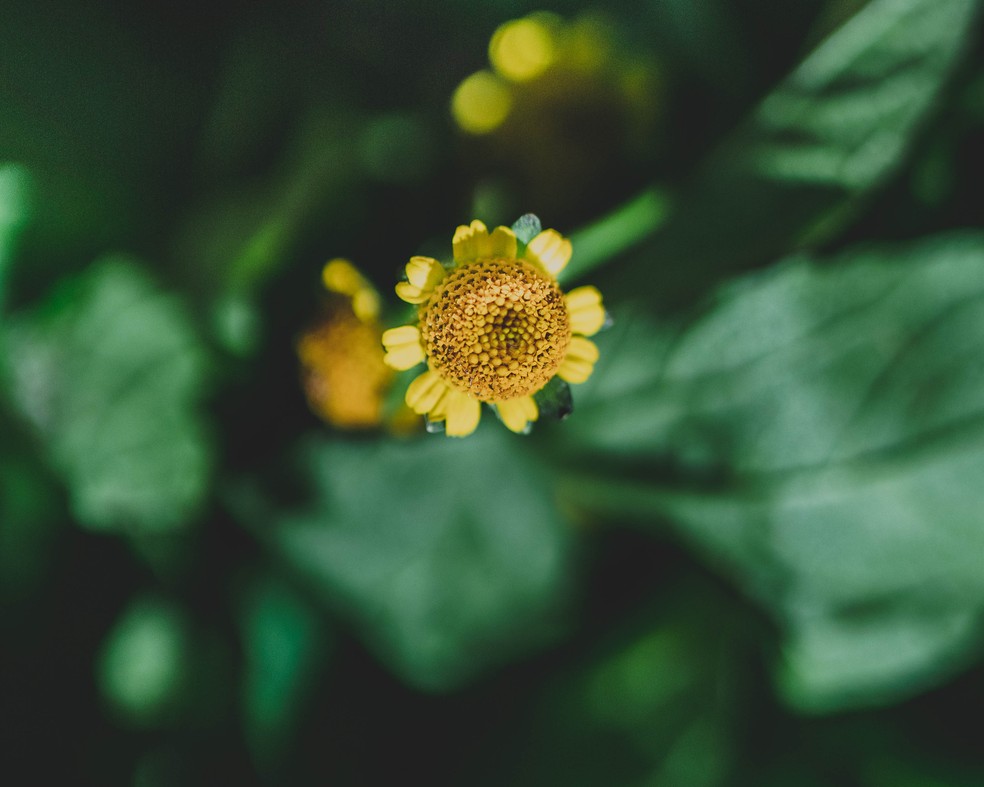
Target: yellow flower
x=345 y=379
x=567 y=108
x=494 y=328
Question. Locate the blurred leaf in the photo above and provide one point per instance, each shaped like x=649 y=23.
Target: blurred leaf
x=449 y=554
x=28 y=510
x=555 y=400
x=109 y=371
x=831 y=660
x=234 y=240
x=820 y=431
x=158 y=667
x=837 y=127
x=285 y=649
x=651 y=703
x=144 y=664
x=14 y=205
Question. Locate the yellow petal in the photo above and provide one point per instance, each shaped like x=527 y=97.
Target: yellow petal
x=502 y=243
x=403 y=347
x=341 y=276
x=469 y=241
x=585 y=309
x=365 y=304
x=425 y=392
x=405 y=334
x=517 y=413
x=550 y=250
x=423 y=274
x=461 y=413
x=474 y=243
x=403 y=358
x=437 y=411
x=407 y=292
x=579 y=363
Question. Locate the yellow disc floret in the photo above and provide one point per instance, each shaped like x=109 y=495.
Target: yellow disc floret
x=496 y=329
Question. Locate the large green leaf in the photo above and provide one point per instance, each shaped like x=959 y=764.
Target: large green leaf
x=449 y=555
x=109 y=372
x=837 y=127
x=819 y=431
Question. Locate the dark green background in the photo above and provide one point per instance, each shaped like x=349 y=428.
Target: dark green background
x=752 y=556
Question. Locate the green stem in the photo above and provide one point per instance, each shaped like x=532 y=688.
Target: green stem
x=616 y=233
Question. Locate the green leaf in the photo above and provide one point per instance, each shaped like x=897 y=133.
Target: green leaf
x=144 y=663
x=109 y=372
x=158 y=667
x=14 y=206
x=285 y=650
x=235 y=240
x=449 y=555
x=832 y=661
x=836 y=128
x=527 y=227
x=651 y=701
x=29 y=507
x=820 y=433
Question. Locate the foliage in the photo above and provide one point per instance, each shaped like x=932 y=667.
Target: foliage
x=750 y=555
x=108 y=372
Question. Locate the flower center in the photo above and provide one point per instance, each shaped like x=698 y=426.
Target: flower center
x=496 y=329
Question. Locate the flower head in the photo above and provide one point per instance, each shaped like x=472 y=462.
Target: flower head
x=566 y=108
x=344 y=376
x=494 y=328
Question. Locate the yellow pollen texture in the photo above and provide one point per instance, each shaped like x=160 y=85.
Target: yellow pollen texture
x=496 y=329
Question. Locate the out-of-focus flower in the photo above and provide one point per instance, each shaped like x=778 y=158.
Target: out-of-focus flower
x=563 y=106
x=344 y=376
x=481 y=103
x=494 y=328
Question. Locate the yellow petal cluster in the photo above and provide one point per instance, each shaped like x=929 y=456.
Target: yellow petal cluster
x=344 y=375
